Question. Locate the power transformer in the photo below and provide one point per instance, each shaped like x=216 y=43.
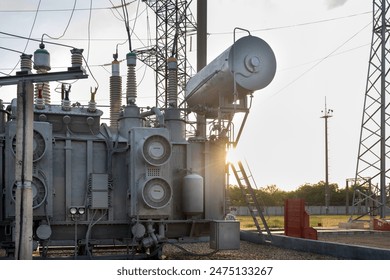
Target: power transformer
x=143 y=179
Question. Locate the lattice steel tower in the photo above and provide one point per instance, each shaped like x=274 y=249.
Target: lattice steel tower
x=174 y=22
x=372 y=172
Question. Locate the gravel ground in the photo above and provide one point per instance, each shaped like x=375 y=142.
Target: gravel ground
x=247 y=251
x=250 y=251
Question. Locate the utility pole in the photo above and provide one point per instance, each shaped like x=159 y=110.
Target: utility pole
x=328 y=113
x=23 y=171
x=201 y=34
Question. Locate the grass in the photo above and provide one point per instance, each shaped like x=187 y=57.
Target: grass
x=278 y=221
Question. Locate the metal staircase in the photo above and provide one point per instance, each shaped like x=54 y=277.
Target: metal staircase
x=254 y=206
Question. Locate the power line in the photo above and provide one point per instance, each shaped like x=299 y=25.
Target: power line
x=11 y=50
x=67 y=26
x=29 y=36
x=319 y=62
x=293 y=25
x=57 y=10
x=114 y=8
x=319 y=59
x=34 y=39
x=136 y=16
x=89 y=28
x=126 y=21
x=81 y=39
x=32 y=27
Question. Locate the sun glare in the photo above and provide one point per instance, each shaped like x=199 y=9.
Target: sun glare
x=233 y=155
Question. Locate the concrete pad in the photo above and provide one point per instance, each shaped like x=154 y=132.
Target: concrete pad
x=352 y=225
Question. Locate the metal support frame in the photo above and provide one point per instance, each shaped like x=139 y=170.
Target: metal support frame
x=174 y=22
x=373 y=156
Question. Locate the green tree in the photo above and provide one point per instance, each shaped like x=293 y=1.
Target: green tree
x=313 y=194
x=271 y=196
x=235 y=196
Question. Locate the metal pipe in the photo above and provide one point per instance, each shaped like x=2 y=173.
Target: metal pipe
x=157 y=112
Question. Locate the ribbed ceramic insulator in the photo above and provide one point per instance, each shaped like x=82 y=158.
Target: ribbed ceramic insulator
x=40 y=103
x=172 y=87
x=77 y=57
x=45 y=86
x=25 y=62
x=115 y=99
x=92 y=106
x=66 y=105
x=131 y=89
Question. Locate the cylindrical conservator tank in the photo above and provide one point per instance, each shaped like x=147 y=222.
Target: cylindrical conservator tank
x=42 y=59
x=193 y=194
x=249 y=62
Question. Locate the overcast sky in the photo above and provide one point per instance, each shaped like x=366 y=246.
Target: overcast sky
x=322 y=51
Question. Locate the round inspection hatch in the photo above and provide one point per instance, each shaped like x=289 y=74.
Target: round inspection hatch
x=157 y=193
x=39 y=145
x=156 y=150
x=39 y=192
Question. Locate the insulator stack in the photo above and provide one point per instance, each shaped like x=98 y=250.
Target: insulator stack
x=92 y=106
x=172 y=82
x=77 y=57
x=131 y=89
x=25 y=62
x=42 y=65
x=39 y=101
x=66 y=105
x=92 y=103
x=44 y=88
x=65 y=102
x=115 y=94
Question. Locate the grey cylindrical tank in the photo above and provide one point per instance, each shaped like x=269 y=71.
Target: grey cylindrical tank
x=250 y=62
x=193 y=192
x=42 y=59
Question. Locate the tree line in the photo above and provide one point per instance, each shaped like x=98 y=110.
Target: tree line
x=313 y=194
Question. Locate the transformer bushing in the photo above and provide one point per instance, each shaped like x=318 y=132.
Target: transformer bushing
x=77 y=57
x=131 y=89
x=115 y=94
x=172 y=82
x=25 y=62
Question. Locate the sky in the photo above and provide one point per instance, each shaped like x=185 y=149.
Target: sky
x=321 y=47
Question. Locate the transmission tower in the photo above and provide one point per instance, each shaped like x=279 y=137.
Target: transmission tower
x=372 y=172
x=174 y=22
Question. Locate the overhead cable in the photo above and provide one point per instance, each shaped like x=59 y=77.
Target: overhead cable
x=294 y=25
x=320 y=61
x=67 y=26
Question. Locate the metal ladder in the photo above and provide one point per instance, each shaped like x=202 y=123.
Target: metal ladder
x=254 y=207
